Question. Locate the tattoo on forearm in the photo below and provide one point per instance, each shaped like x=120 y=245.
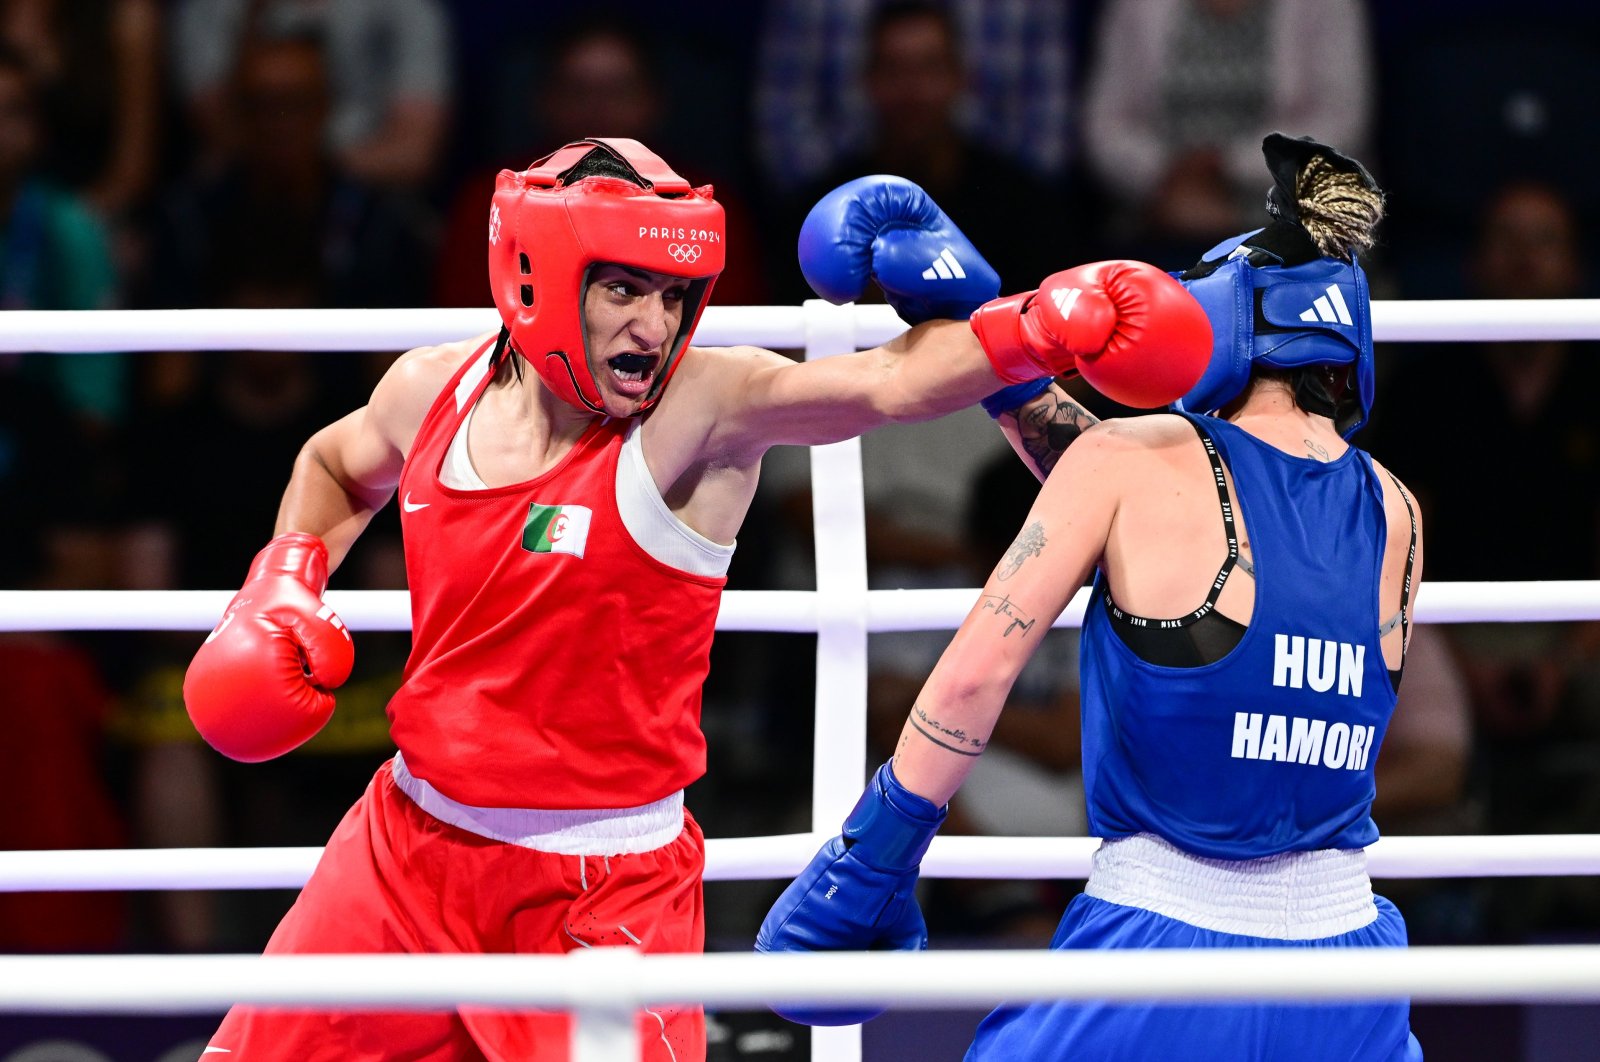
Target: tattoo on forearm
x=1317 y=450
x=1029 y=543
x=1003 y=607
x=956 y=740
x=1049 y=424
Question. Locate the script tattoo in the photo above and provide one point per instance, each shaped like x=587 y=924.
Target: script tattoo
x=1317 y=451
x=1003 y=607
x=1029 y=543
x=955 y=739
x=1049 y=424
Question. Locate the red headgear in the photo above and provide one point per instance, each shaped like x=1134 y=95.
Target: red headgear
x=546 y=234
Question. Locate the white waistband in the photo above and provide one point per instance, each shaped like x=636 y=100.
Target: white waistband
x=1293 y=896
x=581 y=832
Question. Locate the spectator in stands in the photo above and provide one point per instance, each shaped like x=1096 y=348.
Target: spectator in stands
x=812 y=102
x=1524 y=114
x=389 y=73
x=97 y=67
x=913 y=78
x=1180 y=93
x=282 y=208
x=597 y=78
x=56 y=707
x=54 y=253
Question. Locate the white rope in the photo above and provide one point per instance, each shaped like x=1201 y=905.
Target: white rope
x=82 y=331
x=781 y=857
x=1509 y=602
x=776 y=327
x=175 y=984
x=361 y=610
x=793 y=611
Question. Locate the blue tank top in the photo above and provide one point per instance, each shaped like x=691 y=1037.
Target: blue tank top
x=1273 y=747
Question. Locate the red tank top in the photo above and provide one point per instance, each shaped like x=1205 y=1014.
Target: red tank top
x=554 y=663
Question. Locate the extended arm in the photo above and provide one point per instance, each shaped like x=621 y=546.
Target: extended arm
x=1129 y=328
x=136 y=32
x=931 y=370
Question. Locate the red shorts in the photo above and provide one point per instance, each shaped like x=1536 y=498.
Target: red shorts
x=395 y=879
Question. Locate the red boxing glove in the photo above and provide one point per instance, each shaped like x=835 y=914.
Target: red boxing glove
x=1133 y=332
x=259 y=685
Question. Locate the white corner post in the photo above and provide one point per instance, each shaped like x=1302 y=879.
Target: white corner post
x=839 y=522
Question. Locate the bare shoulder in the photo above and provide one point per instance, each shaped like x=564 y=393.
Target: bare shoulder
x=408 y=389
x=707 y=383
x=1156 y=433
x=1126 y=453
x=1399 y=502
x=1099 y=452
x=430 y=368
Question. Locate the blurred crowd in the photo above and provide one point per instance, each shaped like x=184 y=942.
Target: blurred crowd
x=340 y=153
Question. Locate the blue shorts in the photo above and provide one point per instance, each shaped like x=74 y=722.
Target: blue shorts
x=1367 y=1032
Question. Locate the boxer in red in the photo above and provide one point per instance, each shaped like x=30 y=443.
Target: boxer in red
x=568 y=522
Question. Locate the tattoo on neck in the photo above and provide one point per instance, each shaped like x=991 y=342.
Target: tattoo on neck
x=1317 y=450
x=1029 y=543
x=955 y=739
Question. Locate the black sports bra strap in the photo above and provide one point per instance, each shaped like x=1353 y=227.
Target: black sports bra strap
x=1228 y=527
x=1223 y=572
x=1411 y=560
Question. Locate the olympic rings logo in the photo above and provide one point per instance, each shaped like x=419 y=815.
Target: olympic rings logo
x=684 y=252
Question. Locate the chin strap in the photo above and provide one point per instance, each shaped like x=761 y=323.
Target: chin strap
x=1324 y=391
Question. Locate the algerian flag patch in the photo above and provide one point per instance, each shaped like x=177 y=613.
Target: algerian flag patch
x=556 y=529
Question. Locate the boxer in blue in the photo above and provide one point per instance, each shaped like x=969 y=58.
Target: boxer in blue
x=1254 y=574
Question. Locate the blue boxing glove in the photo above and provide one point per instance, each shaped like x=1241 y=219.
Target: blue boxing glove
x=857 y=894
x=888 y=229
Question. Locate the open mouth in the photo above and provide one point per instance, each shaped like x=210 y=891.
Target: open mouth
x=633 y=370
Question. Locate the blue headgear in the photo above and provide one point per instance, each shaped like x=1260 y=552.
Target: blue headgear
x=1274 y=298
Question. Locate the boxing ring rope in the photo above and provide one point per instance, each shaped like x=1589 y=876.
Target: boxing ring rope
x=624 y=979
x=779 y=857
x=776 y=327
x=603 y=989
x=786 y=611
x=174 y=984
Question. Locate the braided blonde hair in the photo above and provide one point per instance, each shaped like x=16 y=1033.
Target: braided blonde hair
x=1339 y=209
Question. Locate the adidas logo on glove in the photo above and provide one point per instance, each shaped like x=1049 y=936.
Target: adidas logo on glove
x=1065 y=299
x=945 y=267
x=1329 y=309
